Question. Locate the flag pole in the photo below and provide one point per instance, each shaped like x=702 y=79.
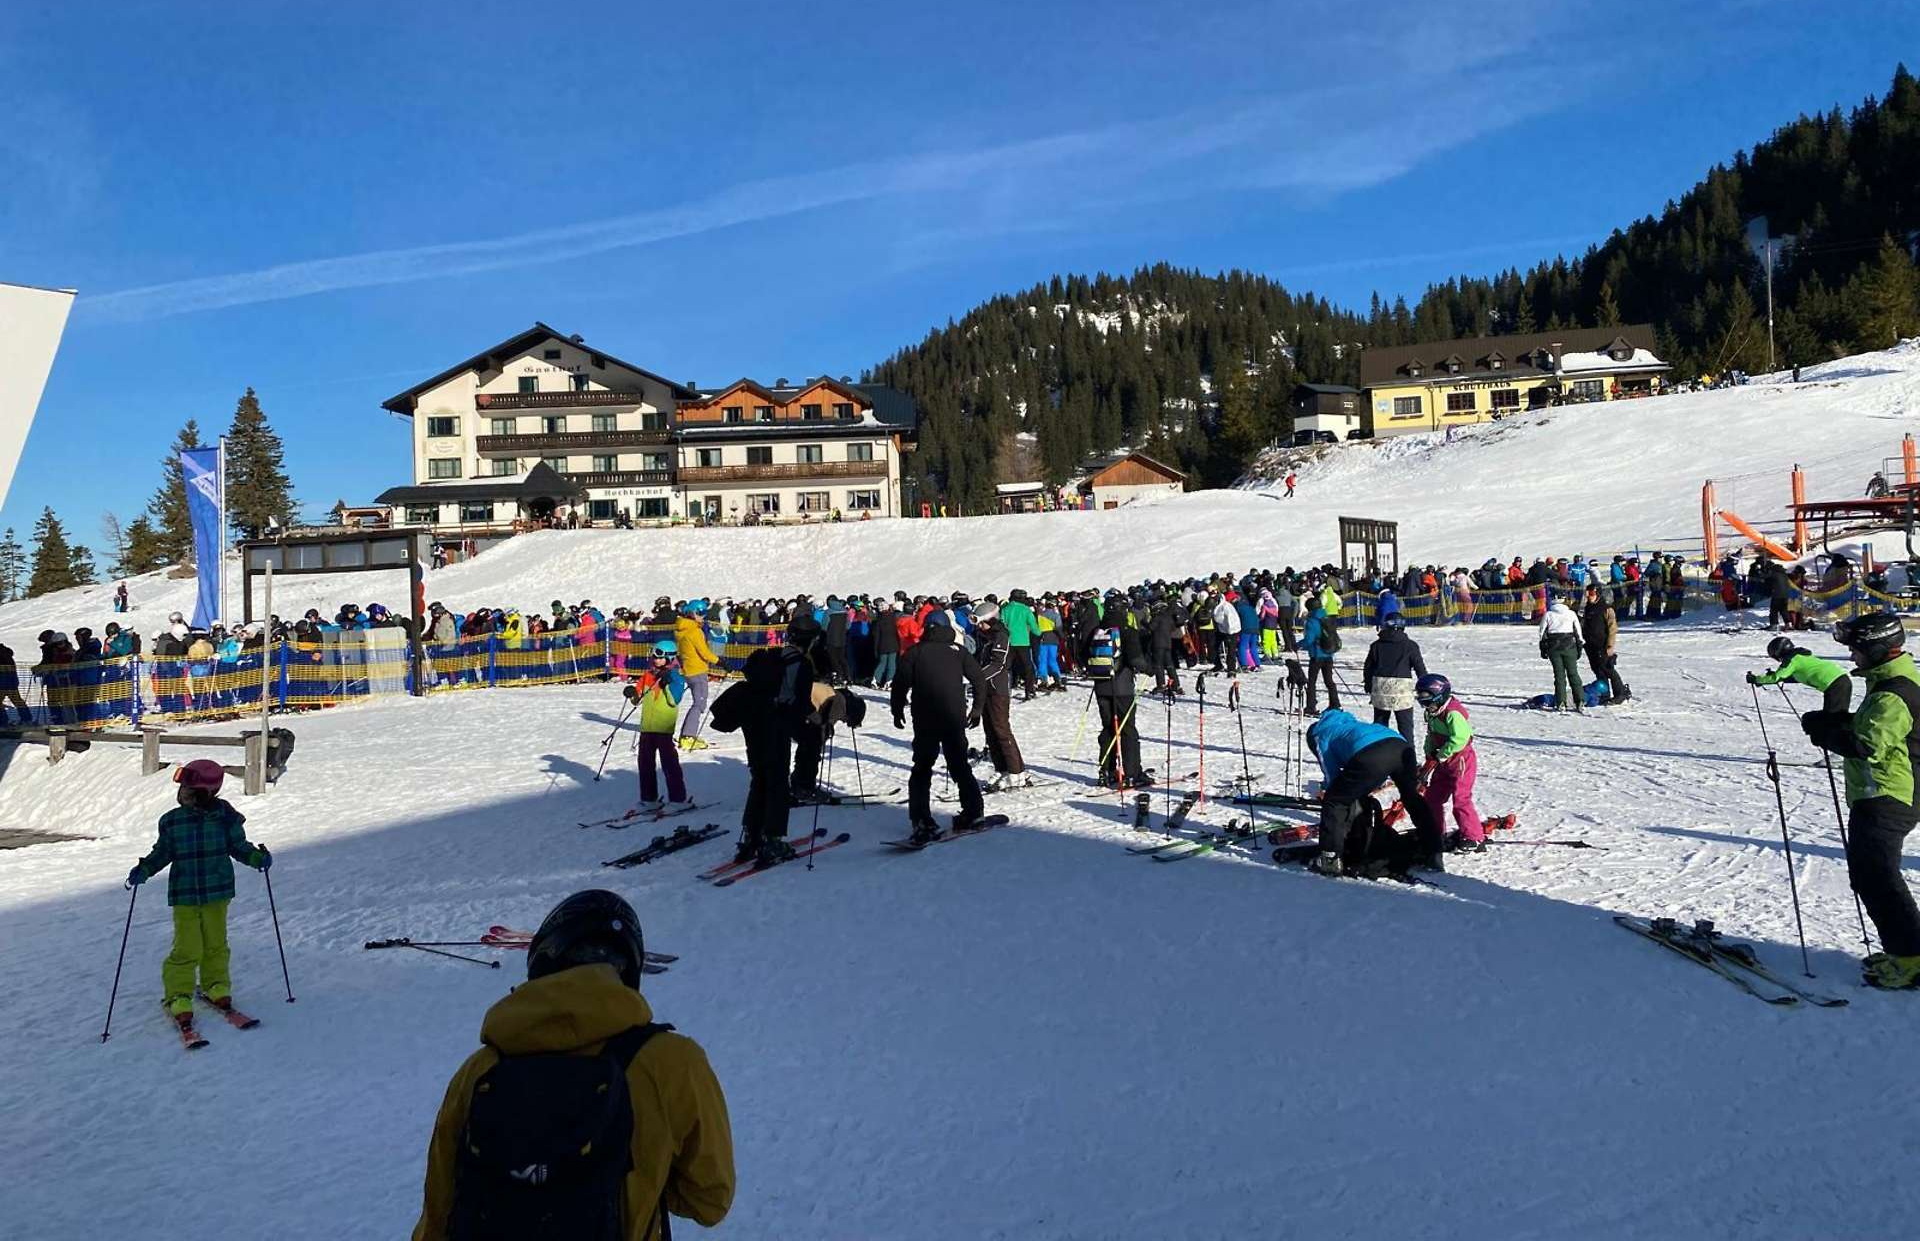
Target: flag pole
x=220 y=542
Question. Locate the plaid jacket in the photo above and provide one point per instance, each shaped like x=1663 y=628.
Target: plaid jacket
x=198 y=845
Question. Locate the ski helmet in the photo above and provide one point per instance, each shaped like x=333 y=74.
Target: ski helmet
x=201 y=773
x=667 y=647
x=1873 y=637
x=1781 y=649
x=1432 y=690
x=588 y=928
x=1393 y=620
x=985 y=613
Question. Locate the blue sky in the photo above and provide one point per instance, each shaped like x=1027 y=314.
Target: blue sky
x=328 y=202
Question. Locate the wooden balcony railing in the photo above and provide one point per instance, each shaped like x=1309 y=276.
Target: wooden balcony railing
x=571 y=441
x=802 y=471
x=580 y=399
x=623 y=478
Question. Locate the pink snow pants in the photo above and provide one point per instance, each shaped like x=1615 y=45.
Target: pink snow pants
x=1453 y=781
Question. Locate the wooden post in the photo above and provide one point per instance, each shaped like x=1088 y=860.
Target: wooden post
x=256 y=763
x=1907 y=461
x=56 y=744
x=1800 y=543
x=150 y=749
x=1711 y=538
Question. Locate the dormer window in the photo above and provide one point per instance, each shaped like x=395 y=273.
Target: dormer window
x=1496 y=362
x=1414 y=367
x=1452 y=364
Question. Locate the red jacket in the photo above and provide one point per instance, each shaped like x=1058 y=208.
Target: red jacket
x=909 y=629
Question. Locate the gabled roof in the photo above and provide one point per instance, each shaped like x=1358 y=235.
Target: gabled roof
x=1329 y=389
x=542 y=481
x=890 y=406
x=512 y=347
x=1521 y=355
x=1094 y=466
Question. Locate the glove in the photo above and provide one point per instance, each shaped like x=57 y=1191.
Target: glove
x=1830 y=730
x=899 y=721
x=973 y=718
x=1753 y=678
x=631 y=694
x=1427 y=770
x=136 y=877
x=262 y=859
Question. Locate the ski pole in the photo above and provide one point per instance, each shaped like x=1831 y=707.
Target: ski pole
x=1121 y=727
x=860 y=779
x=1203 y=738
x=814 y=832
x=1246 y=774
x=1779 y=801
x=1166 y=772
x=444 y=943
x=606 y=747
x=1081 y=731
x=268 y=876
x=134 y=895
x=454 y=955
x=1839 y=817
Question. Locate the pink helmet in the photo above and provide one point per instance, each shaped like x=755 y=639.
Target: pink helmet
x=201 y=773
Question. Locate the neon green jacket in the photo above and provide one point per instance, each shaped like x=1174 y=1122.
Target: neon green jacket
x=1805 y=669
x=1020 y=622
x=1448 y=732
x=1882 y=730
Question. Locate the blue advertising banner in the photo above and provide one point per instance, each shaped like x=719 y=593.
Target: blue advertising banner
x=207 y=509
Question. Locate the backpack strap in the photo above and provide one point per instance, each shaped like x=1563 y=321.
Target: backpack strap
x=621 y=1049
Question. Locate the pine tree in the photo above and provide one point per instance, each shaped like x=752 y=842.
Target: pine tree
x=1608 y=314
x=1240 y=436
x=13 y=566
x=171 y=525
x=53 y=567
x=143 y=551
x=258 y=489
x=1888 y=305
x=80 y=565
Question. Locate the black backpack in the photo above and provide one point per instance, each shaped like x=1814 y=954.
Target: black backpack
x=548 y=1145
x=1329 y=635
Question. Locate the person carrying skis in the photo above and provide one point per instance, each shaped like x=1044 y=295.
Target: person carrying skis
x=1803 y=667
x=200 y=839
x=1601 y=630
x=990 y=651
x=1321 y=637
x=1111 y=656
x=697 y=662
x=1880 y=747
x=1388 y=675
x=1560 y=647
x=1451 y=763
x=766 y=706
x=933 y=677
x=1355 y=759
x=657 y=693
x=622 y=1118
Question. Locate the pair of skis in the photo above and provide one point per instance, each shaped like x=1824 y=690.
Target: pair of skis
x=640 y=814
x=1736 y=962
x=510 y=937
x=190 y=1037
x=661 y=846
x=983 y=824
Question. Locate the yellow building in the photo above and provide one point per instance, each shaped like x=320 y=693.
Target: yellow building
x=1453 y=382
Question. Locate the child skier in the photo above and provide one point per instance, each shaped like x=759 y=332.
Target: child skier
x=1452 y=764
x=201 y=839
x=658 y=692
x=1803 y=667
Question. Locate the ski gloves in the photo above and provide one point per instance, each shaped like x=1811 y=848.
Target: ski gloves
x=1833 y=731
x=136 y=877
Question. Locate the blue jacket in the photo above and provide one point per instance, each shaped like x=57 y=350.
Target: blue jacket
x=1249 y=616
x=1310 y=638
x=1336 y=737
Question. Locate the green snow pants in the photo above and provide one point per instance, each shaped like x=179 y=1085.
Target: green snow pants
x=199 y=947
x=1567 y=690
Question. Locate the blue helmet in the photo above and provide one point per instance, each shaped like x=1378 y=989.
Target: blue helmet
x=667 y=647
x=1432 y=690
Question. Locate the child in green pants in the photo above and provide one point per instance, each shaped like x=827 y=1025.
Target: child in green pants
x=200 y=839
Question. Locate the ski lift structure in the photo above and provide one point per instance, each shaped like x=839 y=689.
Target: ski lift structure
x=1897 y=509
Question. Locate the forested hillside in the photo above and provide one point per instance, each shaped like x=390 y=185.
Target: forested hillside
x=1199 y=368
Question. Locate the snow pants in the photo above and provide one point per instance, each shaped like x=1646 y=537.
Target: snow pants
x=1047 y=661
x=931 y=742
x=1607 y=668
x=1567 y=690
x=1386 y=760
x=1249 y=649
x=1402 y=718
x=809 y=744
x=697 y=713
x=769 y=751
x=1319 y=670
x=996 y=713
x=1876 y=833
x=883 y=669
x=1122 y=758
x=1020 y=667
x=1270 y=643
x=199 y=951
x=1453 y=781
x=660 y=745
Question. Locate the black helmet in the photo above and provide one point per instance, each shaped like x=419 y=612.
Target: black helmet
x=1781 y=649
x=590 y=927
x=1872 y=637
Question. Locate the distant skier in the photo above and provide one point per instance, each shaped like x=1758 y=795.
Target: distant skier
x=200 y=839
x=1321 y=638
x=1879 y=745
x=697 y=662
x=1112 y=656
x=996 y=712
x=1560 y=647
x=1451 y=765
x=1355 y=759
x=1292 y=478
x=1803 y=667
x=766 y=706
x=657 y=693
x=1388 y=676
x=933 y=677
x=1601 y=630
x=579 y=1116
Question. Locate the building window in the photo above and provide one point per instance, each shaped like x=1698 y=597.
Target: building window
x=476 y=510
x=707 y=458
x=764 y=504
x=763 y=413
x=1406 y=407
x=554 y=424
x=602 y=510
x=859 y=452
x=1590 y=390
x=712 y=507
x=654 y=461
x=815 y=501
x=1460 y=403
x=810 y=413
x=556 y=464
x=502 y=426
x=654 y=507
x=735 y=413
x=1413 y=371
x=605 y=463
x=551 y=355
x=1504 y=398
x=760 y=454
x=1495 y=362
x=652 y=420
x=529 y=383
x=443 y=467
x=810 y=454
x=423 y=514
x=843 y=409
x=504 y=466
x=443 y=425
x=863 y=501
x=579 y=382
x=604 y=423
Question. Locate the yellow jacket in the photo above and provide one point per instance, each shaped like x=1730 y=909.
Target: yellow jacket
x=682 y=1143
x=696 y=657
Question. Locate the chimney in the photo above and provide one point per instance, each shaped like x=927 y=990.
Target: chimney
x=780 y=382
x=1555 y=348
x=577 y=339
x=846 y=379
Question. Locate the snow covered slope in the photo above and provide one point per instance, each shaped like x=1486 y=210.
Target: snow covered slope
x=1590 y=479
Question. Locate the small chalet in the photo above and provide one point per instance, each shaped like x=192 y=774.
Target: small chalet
x=1114 y=481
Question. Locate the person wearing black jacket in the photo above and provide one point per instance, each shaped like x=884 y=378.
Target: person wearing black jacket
x=1393 y=662
x=770 y=702
x=886 y=644
x=1161 y=628
x=1112 y=656
x=933 y=676
x=834 y=648
x=1779 y=592
x=992 y=652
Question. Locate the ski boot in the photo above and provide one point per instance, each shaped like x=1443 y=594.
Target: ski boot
x=773 y=852
x=680 y=807
x=745 y=852
x=925 y=832
x=1436 y=864
x=1457 y=842
x=1893 y=973
x=1328 y=864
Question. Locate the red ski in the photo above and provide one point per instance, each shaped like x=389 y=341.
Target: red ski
x=182 y=1023
x=757 y=869
x=235 y=1018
